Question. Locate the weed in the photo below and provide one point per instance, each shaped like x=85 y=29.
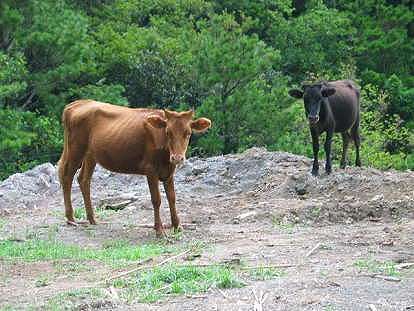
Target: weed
x=315 y=212
x=329 y=308
x=375 y=266
x=72 y=299
x=3 y=223
x=42 y=282
x=264 y=273
x=100 y=211
x=283 y=225
x=71 y=267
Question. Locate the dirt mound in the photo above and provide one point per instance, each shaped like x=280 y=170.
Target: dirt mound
x=266 y=182
x=341 y=237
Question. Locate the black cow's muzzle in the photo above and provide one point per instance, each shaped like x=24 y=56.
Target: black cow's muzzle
x=313 y=119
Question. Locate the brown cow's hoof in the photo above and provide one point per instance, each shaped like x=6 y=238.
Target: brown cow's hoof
x=92 y=221
x=76 y=223
x=178 y=228
x=160 y=234
x=72 y=223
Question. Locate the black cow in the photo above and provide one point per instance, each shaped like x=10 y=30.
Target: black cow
x=331 y=107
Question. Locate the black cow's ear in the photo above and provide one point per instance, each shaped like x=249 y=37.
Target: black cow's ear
x=296 y=93
x=327 y=91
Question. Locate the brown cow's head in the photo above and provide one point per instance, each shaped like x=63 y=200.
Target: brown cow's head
x=178 y=127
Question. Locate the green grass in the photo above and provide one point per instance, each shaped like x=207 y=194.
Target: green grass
x=72 y=299
x=282 y=225
x=3 y=222
x=154 y=284
x=263 y=273
x=42 y=281
x=71 y=268
x=375 y=266
x=101 y=212
x=37 y=249
x=175 y=279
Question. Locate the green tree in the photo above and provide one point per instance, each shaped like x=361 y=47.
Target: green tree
x=226 y=62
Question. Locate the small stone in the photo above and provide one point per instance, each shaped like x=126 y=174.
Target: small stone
x=301 y=189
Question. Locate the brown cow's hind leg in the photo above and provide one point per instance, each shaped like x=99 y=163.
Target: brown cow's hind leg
x=84 y=179
x=67 y=170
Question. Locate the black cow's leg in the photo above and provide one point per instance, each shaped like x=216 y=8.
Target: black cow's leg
x=357 y=141
x=315 y=145
x=345 y=144
x=328 y=143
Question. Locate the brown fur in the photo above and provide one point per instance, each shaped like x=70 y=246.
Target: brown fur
x=133 y=141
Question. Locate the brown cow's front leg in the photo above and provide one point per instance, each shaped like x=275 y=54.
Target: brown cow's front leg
x=170 y=191
x=153 y=184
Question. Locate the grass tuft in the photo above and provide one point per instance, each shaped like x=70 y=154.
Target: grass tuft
x=37 y=249
x=153 y=285
x=263 y=273
x=72 y=300
x=375 y=266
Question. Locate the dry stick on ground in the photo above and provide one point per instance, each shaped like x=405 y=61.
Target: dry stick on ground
x=386 y=278
x=313 y=250
x=269 y=267
x=151 y=226
x=404 y=265
x=201 y=265
x=221 y=292
x=372 y=307
x=259 y=300
x=143 y=267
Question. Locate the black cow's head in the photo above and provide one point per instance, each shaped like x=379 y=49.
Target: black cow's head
x=313 y=96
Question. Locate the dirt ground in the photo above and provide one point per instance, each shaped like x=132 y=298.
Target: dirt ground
x=259 y=207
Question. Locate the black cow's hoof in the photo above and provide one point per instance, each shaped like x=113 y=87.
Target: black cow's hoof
x=315 y=173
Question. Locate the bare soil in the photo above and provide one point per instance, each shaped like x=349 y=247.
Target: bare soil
x=259 y=207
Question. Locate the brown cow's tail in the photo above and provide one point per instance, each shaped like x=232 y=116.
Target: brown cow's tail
x=61 y=162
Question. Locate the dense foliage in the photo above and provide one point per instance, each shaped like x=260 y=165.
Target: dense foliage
x=231 y=60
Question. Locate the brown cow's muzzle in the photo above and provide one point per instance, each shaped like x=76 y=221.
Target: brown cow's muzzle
x=177 y=159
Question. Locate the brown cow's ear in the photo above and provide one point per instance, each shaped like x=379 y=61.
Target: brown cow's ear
x=327 y=91
x=168 y=113
x=156 y=121
x=200 y=125
x=296 y=93
x=187 y=114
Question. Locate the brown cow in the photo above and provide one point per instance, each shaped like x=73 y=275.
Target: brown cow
x=133 y=141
